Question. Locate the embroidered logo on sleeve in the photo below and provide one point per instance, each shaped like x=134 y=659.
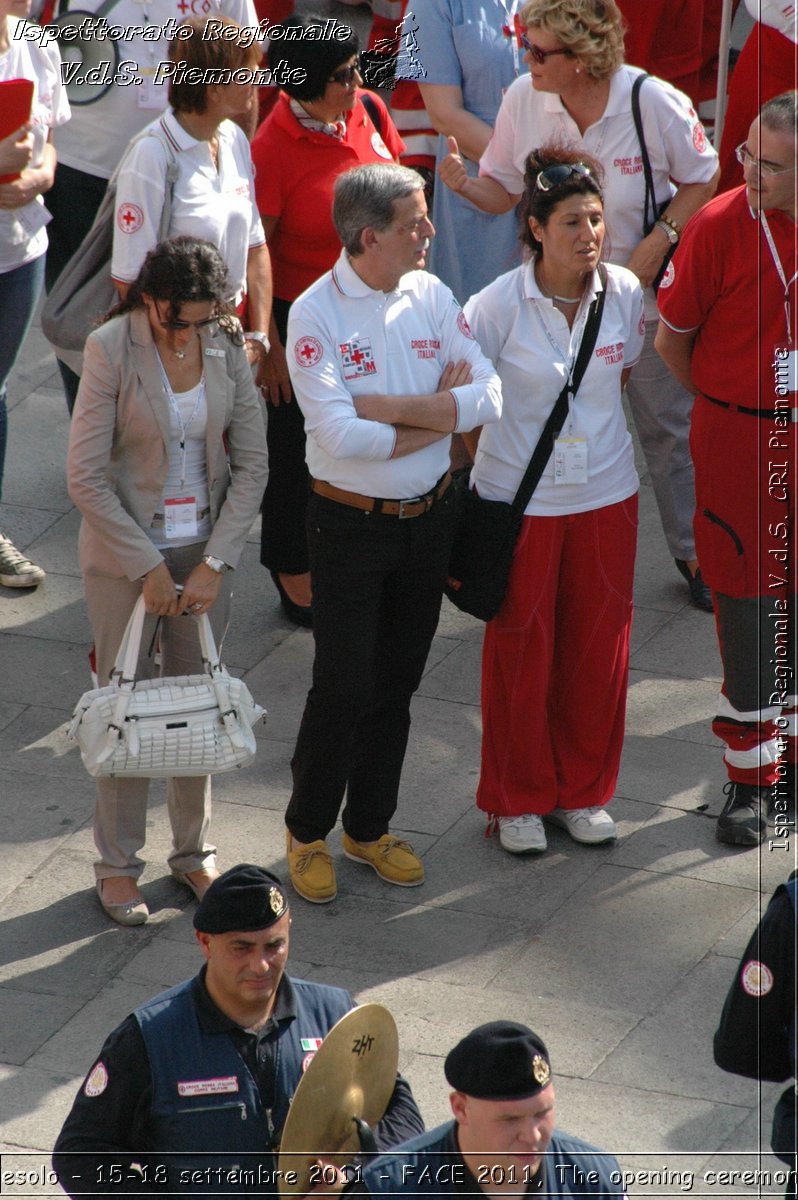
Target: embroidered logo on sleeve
x=463 y=326
x=308 y=351
x=757 y=979
x=699 y=137
x=357 y=358
x=97 y=1082
x=129 y=217
x=668 y=277
x=641 y=325
x=208 y=1087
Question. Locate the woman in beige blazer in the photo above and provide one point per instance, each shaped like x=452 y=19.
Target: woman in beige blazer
x=167 y=464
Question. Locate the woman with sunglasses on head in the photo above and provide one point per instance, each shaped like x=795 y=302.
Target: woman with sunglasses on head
x=166 y=463
x=580 y=93
x=320 y=127
x=555 y=658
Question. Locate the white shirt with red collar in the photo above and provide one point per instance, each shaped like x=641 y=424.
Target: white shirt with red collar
x=218 y=206
x=345 y=339
x=529 y=341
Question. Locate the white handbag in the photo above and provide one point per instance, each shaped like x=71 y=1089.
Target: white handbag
x=154 y=728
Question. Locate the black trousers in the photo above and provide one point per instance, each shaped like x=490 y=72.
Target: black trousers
x=73 y=200
x=377 y=587
x=283 y=543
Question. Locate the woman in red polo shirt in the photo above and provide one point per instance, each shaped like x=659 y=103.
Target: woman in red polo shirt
x=319 y=128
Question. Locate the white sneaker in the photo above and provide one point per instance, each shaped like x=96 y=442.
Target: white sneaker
x=522 y=835
x=590 y=826
x=17 y=571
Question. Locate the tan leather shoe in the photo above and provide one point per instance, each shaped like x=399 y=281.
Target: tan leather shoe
x=132 y=912
x=312 y=871
x=392 y=859
x=197 y=881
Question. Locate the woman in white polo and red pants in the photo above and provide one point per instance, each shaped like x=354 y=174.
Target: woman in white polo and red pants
x=555 y=659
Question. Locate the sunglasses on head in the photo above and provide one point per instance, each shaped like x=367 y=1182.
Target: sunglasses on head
x=553 y=177
x=345 y=75
x=539 y=55
x=179 y=325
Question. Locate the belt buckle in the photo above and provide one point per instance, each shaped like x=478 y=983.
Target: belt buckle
x=402 y=515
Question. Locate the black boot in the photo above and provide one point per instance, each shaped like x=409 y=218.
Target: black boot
x=742 y=822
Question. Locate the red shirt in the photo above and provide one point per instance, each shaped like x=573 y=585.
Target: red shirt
x=725 y=285
x=295 y=171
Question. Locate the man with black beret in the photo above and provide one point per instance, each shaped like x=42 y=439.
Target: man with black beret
x=191 y=1091
x=503 y=1137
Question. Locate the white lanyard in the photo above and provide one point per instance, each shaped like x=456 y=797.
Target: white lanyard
x=175 y=407
x=512 y=30
x=569 y=366
x=780 y=270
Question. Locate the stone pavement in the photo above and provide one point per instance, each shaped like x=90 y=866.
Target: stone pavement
x=620 y=957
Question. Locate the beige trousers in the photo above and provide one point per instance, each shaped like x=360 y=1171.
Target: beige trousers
x=120 y=812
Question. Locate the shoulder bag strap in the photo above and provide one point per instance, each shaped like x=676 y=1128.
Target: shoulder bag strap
x=372 y=108
x=650 y=202
x=556 y=418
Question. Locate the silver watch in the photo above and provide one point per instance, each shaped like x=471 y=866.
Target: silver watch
x=670 y=233
x=254 y=335
x=215 y=564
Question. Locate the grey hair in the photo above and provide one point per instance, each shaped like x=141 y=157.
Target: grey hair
x=781 y=113
x=364 y=198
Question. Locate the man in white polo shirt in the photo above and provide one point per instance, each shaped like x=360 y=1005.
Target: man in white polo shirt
x=385 y=369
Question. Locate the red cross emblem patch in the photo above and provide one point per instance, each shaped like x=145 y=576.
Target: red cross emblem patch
x=357 y=358
x=129 y=217
x=307 y=351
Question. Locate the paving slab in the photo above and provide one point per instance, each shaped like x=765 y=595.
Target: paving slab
x=684 y=843
x=685 y=647
x=650 y=927
x=660 y=706
x=664 y=770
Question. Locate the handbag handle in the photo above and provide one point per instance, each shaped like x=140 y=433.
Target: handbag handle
x=123 y=676
x=542 y=452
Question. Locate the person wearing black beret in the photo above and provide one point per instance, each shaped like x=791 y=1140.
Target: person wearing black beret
x=503 y=1137
x=190 y=1093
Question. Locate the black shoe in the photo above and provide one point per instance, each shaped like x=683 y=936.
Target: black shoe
x=297 y=613
x=742 y=822
x=700 y=595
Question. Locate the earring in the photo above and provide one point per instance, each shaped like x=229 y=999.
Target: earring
x=578 y=71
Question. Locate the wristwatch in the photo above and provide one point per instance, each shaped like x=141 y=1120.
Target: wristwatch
x=215 y=564
x=255 y=335
x=670 y=229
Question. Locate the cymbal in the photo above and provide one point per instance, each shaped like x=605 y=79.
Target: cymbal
x=352 y=1074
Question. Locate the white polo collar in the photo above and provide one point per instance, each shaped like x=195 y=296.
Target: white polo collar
x=346 y=279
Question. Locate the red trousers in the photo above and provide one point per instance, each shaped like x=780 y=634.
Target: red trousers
x=555 y=665
x=745 y=476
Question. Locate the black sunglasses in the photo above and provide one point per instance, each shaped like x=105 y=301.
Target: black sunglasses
x=539 y=55
x=553 y=177
x=178 y=325
x=346 y=74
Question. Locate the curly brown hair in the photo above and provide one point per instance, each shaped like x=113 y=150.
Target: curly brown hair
x=591 y=29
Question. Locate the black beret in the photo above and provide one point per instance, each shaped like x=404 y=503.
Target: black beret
x=499 y=1061
x=244 y=898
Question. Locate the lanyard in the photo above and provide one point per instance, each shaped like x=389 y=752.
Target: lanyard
x=774 y=254
x=555 y=345
x=175 y=407
x=512 y=30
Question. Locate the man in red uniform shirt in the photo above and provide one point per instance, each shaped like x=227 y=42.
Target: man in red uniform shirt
x=728 y=333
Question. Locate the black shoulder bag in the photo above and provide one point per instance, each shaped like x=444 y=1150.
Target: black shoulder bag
x=651 y=210
x=487 y=530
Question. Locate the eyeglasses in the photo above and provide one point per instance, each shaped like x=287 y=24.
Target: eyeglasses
x=539 y=55
x=765 y=168
x=553 y=177
x=346 y=75
x=181 y=325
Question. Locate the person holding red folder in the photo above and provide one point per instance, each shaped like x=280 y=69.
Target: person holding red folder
x=32 y=102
